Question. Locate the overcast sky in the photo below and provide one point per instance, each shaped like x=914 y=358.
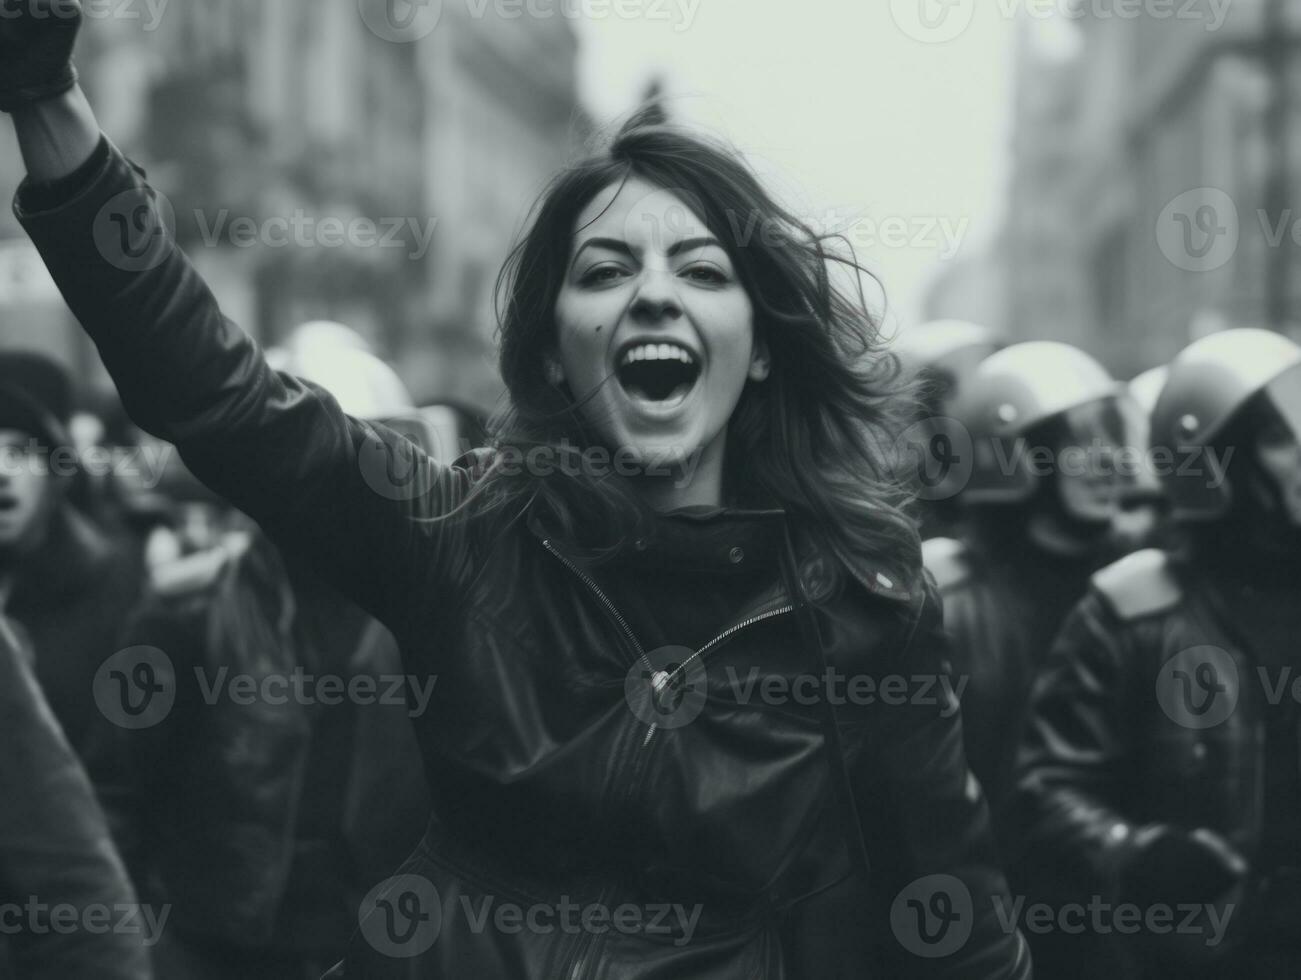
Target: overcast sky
x=870 y=116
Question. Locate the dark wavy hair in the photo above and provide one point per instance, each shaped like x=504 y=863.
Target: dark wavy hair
x=816 y=438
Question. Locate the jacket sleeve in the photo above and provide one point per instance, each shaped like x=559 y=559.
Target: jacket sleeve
x=346 y=494
x=55 y=851
x=1073 y=760
x=927 y=828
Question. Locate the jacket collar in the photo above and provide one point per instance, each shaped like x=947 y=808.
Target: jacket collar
x=813 y=570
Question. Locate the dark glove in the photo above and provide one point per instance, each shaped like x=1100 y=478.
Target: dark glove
x=36 y=41
x=1170 y=866
x=1185 y=872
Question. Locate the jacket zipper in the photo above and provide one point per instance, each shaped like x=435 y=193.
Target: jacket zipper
x=659 y=679
x=605 y=601
x=699 y=654
x=587 y=941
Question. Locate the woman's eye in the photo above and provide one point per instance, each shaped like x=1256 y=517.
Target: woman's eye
x=706 y=273
x=601 y=274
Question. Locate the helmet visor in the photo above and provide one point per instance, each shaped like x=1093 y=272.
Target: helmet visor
x=1284 y=395
x=1091 y=459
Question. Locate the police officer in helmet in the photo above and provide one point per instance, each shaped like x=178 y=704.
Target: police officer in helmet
x=1034 y=437
x=1160 y=765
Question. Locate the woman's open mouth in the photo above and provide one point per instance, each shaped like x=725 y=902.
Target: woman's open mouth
x=661 y=373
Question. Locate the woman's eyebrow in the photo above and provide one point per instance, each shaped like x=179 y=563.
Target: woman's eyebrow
x=691 y=244
x=618 y=245
x=613 y=244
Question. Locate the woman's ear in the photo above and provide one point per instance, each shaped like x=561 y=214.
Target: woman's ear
x=760 y=362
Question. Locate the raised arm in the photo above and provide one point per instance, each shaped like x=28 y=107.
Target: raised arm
x=56 y=129
x=345 y=493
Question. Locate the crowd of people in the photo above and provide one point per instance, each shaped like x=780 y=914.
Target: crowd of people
x=339 y=689
x=243 y=833
x=1117 y=563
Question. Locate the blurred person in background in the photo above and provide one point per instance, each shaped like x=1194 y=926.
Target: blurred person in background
x=1160 y=764
x=940 y=355
x=1037 y=427
x=759 y=529
x=145 y=496
x=1142 y=518
x=65 y=582
x=263 y=825
x=56 y=854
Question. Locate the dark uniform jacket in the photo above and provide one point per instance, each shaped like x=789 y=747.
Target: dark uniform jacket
x=1156 y=708
x=1002 y=608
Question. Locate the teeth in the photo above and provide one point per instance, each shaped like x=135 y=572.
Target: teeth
x=657 y=352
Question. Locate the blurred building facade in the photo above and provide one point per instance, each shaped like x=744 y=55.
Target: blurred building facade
x=319 y=171
x=1139 y=156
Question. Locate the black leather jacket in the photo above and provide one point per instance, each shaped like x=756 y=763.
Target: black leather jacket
x=548 y=789
x=1152 y=711
x=1002 y=607
x=210 y=803
x=56 y=853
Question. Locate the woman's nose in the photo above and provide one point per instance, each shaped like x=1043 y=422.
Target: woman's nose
x=657 y=296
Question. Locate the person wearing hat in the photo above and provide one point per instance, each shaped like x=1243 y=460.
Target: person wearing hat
x=64 y=582
x=1159 y=770
x=34 y=406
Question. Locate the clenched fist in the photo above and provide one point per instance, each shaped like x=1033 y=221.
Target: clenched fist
x=36 y=41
